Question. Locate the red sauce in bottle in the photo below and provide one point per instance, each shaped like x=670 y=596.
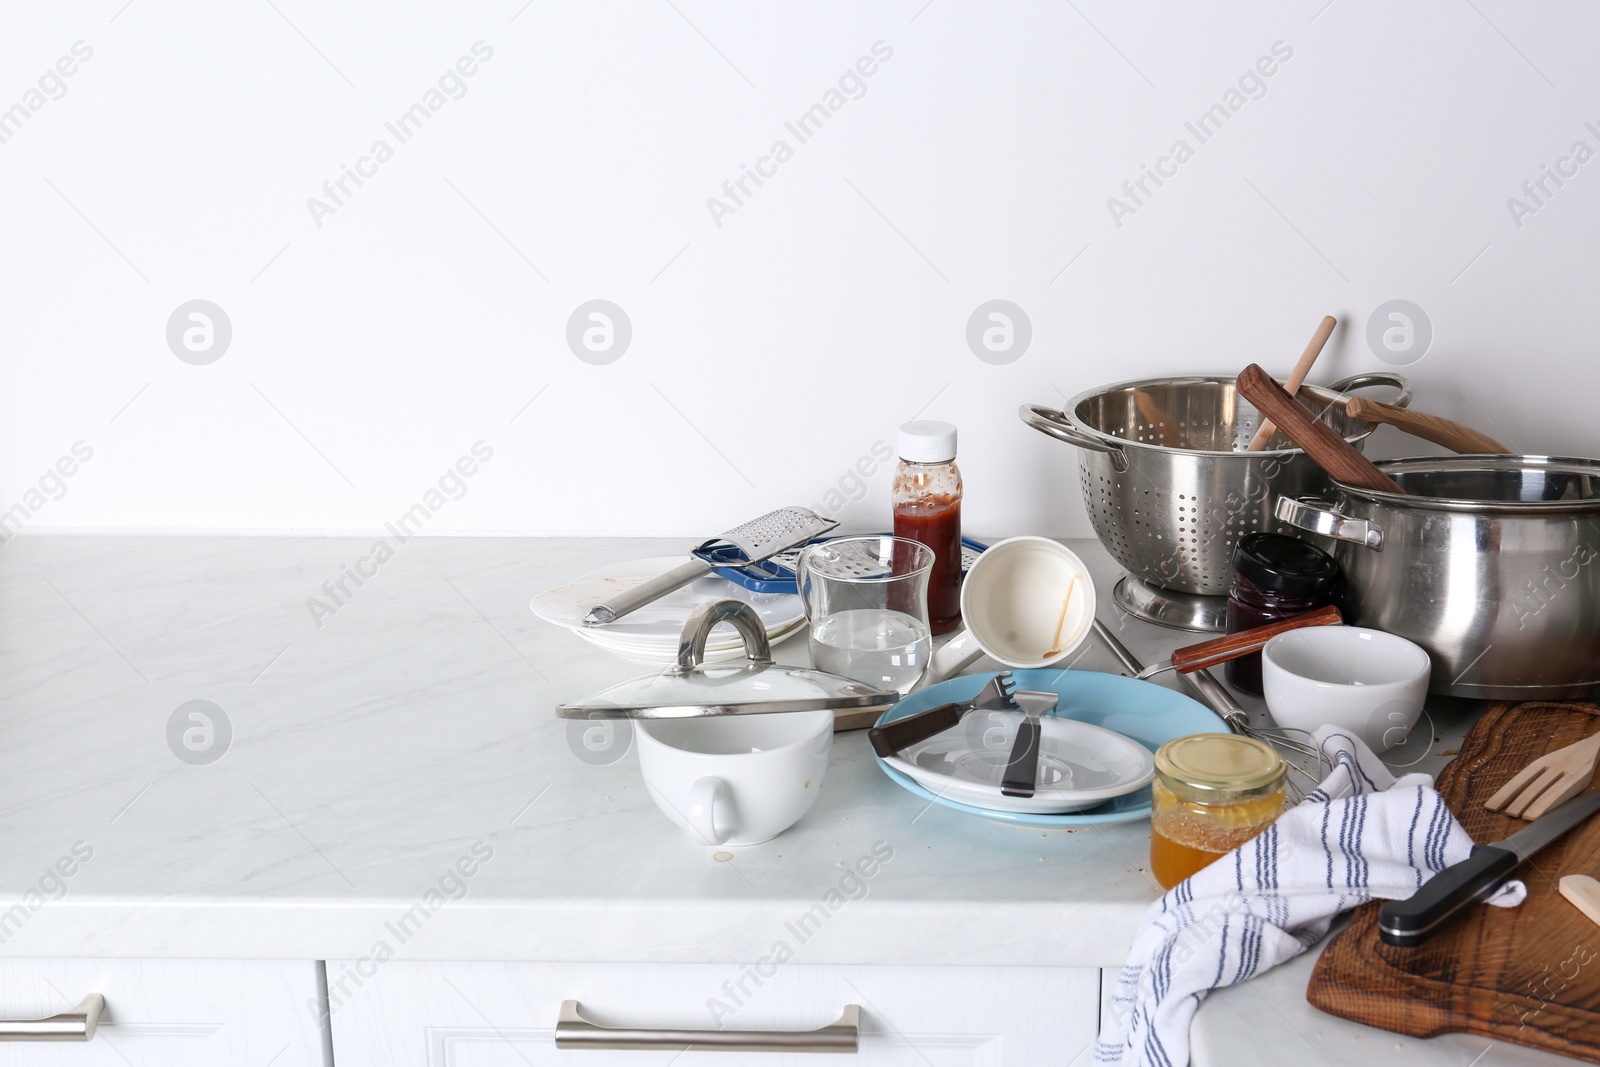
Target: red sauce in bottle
x=936 y=522
x=927 y=508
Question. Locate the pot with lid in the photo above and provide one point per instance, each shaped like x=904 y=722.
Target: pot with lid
x=1488 y=562
x=733 y=753
x=1170 y=488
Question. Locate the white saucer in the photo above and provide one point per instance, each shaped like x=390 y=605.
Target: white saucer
x=1080 y=765
x=716 y=651
x=656 y=628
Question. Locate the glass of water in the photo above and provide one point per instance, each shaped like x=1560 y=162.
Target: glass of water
x=866 y=599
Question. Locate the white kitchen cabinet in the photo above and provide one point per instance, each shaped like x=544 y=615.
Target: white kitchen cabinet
x=170 y=1013
x=504 y=1014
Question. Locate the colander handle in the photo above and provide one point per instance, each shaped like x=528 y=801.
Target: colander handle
x=1377 y=377
x=1054 y=423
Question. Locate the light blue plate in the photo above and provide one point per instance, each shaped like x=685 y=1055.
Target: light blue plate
x=1150 y=714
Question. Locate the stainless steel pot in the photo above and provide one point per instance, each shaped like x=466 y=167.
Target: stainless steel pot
x=1170 y=488
x=1488 y=562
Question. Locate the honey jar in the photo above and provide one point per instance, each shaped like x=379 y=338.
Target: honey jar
x=1211 y=794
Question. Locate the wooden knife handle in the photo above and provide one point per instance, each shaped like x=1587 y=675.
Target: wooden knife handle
x=1330 y=451
x=1441 y=431
x=891 y=737
x=1197 y=657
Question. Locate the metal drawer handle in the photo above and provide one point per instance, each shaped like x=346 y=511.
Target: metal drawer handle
x=573 y=1031
x=75 y=1025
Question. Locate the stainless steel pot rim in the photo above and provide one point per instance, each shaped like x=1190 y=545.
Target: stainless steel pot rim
x=1422 y=464
x=1071 y=413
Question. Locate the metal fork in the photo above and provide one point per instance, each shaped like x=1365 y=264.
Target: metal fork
x=891 y=737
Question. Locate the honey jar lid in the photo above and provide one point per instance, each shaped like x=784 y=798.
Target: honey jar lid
x=1219 y=768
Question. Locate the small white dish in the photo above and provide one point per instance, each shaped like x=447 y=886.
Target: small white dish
x=1080 y=765
x=1367 y=682
x=659 y=625
x=716 y=652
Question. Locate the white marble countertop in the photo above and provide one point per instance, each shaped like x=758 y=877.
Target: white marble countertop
x=371 y=754
x=1267 y=1021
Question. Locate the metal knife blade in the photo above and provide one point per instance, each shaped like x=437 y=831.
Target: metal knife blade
x=1545 y=829
x=1412 y=921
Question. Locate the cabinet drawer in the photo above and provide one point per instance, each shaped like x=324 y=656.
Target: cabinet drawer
x=172 y=1013
x=504 y=1015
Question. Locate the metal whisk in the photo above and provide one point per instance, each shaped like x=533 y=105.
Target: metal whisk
x=1211 y=692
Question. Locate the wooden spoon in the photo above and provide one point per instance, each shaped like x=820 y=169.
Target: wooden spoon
x=1297 y=377
x=1327 y=449
x=1441 y=431
x=1066 y=602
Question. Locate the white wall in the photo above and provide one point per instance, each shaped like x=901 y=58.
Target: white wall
x=771 y=351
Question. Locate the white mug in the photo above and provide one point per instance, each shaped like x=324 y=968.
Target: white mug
x=1011 y=603
x=736 y=779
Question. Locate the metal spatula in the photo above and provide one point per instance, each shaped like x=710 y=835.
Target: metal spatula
x=758 y=539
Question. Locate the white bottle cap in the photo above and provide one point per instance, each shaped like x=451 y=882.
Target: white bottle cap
x=928 y=442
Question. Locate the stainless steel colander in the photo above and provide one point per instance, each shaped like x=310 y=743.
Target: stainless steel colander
x=1168 y=484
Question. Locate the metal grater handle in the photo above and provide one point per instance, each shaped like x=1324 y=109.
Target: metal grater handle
x=646 y=592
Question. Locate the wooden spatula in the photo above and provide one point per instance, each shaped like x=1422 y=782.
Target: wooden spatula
x=1330 y=451
x=1548 y=780
x=1441 y=431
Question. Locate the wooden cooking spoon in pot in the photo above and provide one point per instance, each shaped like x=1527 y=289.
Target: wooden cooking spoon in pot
x=1441 y=431
x=1327 y=449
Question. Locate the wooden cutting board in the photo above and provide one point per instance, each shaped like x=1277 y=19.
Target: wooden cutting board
x=1529 y=975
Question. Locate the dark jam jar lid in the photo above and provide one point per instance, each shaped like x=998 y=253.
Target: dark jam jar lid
x=1283 y=564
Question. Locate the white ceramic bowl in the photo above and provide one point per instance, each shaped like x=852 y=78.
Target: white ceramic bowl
x=1367 y=682
x=736 y=779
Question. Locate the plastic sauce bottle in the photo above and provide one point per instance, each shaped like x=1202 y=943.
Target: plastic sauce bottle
x=927 y=508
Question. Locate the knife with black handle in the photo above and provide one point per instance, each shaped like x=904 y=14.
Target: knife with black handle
x=1412 y=921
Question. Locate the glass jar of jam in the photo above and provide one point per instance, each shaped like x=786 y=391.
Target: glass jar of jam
x=1274 y=577
x=1211 y=794
x=927 y=507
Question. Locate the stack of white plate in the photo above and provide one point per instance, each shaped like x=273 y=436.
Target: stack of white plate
x=653 y=632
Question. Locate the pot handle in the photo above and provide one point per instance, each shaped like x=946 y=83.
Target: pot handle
x=1054 y=423
x=1377 y=377
x=697 y=628
x=1315 y=516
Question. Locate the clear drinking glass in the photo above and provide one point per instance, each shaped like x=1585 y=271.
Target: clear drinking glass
x=866 y=599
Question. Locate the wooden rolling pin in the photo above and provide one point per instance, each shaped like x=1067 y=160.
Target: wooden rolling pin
x=1441 y=431
x=1327 y=449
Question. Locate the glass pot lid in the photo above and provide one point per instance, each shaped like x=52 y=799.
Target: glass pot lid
x=692 y=688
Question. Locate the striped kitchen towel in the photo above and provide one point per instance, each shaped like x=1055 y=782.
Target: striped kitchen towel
x=1361 y=835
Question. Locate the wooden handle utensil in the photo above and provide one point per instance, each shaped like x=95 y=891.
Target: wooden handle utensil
x=1215 y=650
x=1297 y=378
x=1441 y=431
x=1327 y=449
